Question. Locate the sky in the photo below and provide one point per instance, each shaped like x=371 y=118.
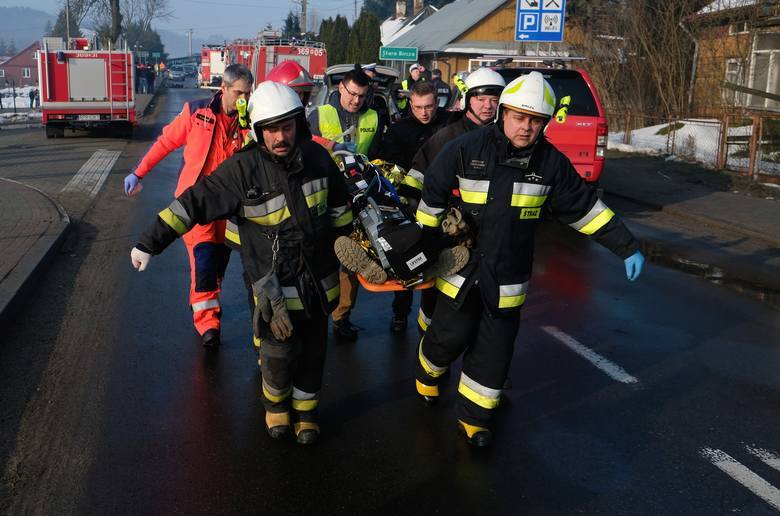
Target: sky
x=231 y=18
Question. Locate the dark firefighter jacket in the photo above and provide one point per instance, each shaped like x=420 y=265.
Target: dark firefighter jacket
x=302 y=199
x=502 y=197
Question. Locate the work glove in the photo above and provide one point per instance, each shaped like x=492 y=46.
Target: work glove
x=273 y=311
x=139 y=259
x=132 y=182
x=453 y=224
x=634 y=265
x=349 y=147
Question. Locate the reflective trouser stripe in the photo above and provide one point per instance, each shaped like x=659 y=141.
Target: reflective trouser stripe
x=422 y=320
x=595 y=219
x=331 y=286
x=205 y=305
x=430 y=368
x=304 y=401
x=275 y=395
x=483 y=396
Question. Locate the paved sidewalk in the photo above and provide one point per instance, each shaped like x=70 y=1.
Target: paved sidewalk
x=680 y=191
x=31 y=227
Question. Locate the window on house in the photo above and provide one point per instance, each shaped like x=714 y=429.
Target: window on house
x=735 y=74
x=2 y=72
x=26 y=73
x=765 y=70
x=738 y=28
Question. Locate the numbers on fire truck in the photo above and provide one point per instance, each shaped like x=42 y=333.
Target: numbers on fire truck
x=308 y=51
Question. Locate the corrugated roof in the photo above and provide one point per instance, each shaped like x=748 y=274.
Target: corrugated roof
x=452 y=20
x=725 y=5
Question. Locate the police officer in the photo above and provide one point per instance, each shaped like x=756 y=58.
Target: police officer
x=291 y=203
x=210 y=133
x=484 y=86
x=506 y=174
x=415 y=74
x=347 y=123
x=443 y=90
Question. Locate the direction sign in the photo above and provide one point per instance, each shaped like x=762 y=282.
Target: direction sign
x=398 y=53
x=155 y=54
x=540 y=20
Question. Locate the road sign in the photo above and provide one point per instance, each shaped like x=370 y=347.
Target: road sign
x=398 y=53
x=540 y=20
x=155 y=54
x=142 y=53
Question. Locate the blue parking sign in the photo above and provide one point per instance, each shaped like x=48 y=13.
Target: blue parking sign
x=540 y=20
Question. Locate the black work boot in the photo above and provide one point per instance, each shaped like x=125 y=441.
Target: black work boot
x=477 y=436
x=428 y=393
x=345 y=329
x=210 y=338
x=307 y=432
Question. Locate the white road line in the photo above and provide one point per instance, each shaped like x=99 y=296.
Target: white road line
x=92 y=174
x=766 y=456
x=613 y=370
x=757 y=485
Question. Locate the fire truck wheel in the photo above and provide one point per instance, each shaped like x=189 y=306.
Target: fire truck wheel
x=55 y=132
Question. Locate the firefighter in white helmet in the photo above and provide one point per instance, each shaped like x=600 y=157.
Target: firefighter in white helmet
x=290 y=202
x=505 y=175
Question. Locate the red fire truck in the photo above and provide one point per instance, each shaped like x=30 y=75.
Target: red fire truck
x=213 y=60
x=83 y=87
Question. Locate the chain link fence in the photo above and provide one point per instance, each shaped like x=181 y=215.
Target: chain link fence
x=745 y=143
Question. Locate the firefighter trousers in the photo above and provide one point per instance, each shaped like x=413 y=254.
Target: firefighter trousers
x=208 y=260
x=486 y=343
x=292 y=370
x=402 y=305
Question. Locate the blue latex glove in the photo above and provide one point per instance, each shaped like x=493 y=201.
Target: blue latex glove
x=349 y=147
x=634 y=264
x=131 y=181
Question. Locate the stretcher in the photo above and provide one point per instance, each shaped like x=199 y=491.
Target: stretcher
x=393 y=285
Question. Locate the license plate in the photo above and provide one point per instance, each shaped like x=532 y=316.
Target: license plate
x=89 y=117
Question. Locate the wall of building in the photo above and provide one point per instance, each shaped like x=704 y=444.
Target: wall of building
x=15 y=68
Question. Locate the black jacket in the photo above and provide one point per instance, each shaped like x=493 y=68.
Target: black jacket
x=403 y=138
x=301 y=199
x=457 y=125
x=502 y=193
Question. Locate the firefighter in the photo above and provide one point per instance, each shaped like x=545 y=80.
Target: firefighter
x=209 y=131
x=291 y=203
x=298 y=78
x=347 y=123
x=484 y=86
x=506 y=174
x=398 y=146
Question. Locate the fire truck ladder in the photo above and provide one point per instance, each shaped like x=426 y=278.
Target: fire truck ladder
x=125 y=96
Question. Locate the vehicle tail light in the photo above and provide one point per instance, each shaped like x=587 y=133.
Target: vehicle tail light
x=601 y=139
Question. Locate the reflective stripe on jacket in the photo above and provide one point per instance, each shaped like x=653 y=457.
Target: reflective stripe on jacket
x=330 y=127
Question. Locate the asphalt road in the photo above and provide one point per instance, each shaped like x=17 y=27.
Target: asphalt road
x=627 y=398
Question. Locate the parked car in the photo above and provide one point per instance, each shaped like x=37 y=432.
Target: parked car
x=382 y=83
x=582 y=137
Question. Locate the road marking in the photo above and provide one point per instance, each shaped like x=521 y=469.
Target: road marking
x=93 y=173
x=757 y=485
x=766 y=456
x=613 y=370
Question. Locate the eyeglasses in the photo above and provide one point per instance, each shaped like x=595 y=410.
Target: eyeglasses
x=353 y=94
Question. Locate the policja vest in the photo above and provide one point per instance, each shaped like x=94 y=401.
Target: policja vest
x=330 y=127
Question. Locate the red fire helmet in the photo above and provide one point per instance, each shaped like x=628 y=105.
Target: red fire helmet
x=293 y=75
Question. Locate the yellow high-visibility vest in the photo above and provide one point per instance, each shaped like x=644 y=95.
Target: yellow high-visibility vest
x=330 y=127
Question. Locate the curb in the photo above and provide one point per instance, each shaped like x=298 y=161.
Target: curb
x=151 y=100
x=775 y=241
x=19 y=283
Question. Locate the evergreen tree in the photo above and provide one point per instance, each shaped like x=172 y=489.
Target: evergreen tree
x=59 y=26
x=292 y=26
x=335 y=35
x=364 y=39
x=49 y=29
x=2 y=47
x=11 y=48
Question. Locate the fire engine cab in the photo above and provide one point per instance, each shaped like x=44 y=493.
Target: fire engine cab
x=85 y=87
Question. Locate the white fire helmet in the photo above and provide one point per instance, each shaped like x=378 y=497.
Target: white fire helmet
x=272 y=102
x=530 y=94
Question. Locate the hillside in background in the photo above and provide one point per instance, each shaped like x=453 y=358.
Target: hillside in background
x=23 y=25
x=176 y=43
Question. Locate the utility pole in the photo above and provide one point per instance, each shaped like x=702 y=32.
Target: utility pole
x=355 y=18
x=189 y=39
x=67 y=24
x=304 y=30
